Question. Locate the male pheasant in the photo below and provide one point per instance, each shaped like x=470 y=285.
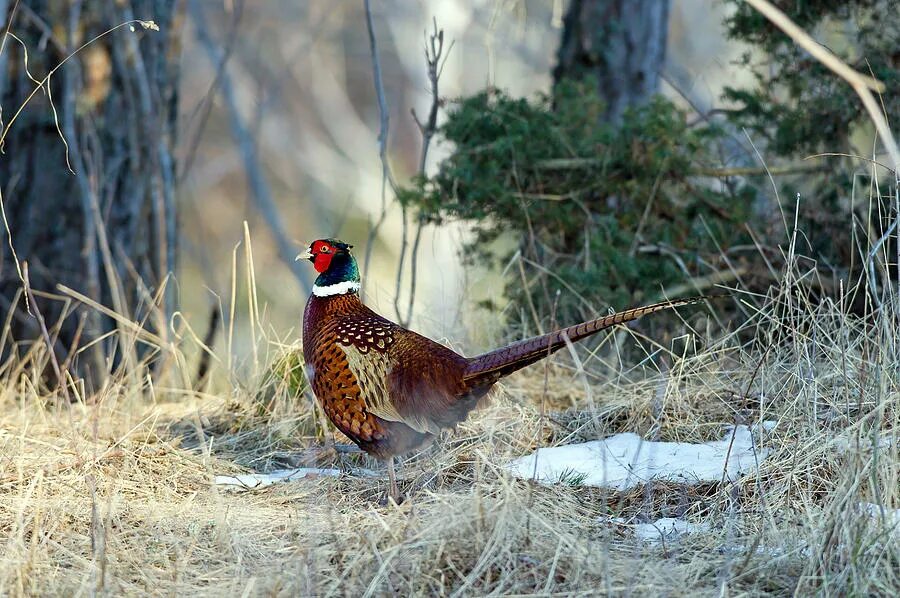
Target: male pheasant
x=391 y=390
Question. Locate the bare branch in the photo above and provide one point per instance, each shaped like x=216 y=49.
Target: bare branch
x=203 y=109
x=434 y=47
x=259 y=185
x=585 y=163
x=384 y=116
x=434 y=50
x=387 y=175
x=413 y=266
x=860 y=83
x=404 y=243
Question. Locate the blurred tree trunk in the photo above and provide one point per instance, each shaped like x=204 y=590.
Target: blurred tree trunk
x=108 y=229
x=621 y=43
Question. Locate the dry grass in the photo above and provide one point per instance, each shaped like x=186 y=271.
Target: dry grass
x=113 y=495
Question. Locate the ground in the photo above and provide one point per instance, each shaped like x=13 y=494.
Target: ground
x=117 y=494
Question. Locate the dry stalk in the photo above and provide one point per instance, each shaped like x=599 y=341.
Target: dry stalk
x=861 y=84
x=60 y=378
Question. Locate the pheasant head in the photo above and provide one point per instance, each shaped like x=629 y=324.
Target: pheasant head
x=338 y=272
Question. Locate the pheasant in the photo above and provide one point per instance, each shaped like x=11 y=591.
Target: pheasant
x=391 y=390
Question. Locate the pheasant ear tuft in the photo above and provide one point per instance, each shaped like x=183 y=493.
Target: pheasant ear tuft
x=340 y=245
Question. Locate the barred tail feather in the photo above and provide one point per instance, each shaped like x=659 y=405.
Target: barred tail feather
x=489 y=367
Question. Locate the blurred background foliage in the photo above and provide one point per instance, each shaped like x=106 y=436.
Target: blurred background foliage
x=622 y=212
x=573 y=170
x=612 y=210
x=797 y=108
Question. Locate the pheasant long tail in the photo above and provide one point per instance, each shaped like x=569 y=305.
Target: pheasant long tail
x=489 y=367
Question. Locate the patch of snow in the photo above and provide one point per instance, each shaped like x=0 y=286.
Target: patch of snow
x=767 y=426
x=789 y=547
x=626 y=460
x=252 y=481
x=891 y=516
x=843 y=444
x=667 y=528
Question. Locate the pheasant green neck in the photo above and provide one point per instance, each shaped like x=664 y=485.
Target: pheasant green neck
x=341 y=277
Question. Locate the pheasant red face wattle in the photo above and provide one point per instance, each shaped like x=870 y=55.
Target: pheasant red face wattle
x=320 y=254
x=321 y=261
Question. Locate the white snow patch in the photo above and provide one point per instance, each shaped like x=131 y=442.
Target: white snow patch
x=891 y=516
x=767 y=426
x=626 y=460
x=251 y=481
x=843 y=444
x=667 y=528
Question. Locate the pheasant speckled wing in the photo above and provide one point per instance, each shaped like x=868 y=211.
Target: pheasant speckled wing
x=348 y=383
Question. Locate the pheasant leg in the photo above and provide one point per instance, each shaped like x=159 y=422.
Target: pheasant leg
x=392 y=477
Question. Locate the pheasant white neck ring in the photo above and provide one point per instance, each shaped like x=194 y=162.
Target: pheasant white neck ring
x=338 y=288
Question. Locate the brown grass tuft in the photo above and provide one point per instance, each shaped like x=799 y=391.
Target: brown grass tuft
x=115 y=494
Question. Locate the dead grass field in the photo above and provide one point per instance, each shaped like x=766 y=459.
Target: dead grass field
x=115 y=495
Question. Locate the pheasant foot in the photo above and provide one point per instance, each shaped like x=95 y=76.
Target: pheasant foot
x=392 y=478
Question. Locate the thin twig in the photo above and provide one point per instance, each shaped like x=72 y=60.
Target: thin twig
x=584 y=163
x=854 y=156
x=434 y=51
x=404 y=244
x=434 y=48
x=386 y=172
x=12 y=15
x=205 y=105
x=646 y=213
x=36 y=312
x=145 y=24
x=413 y=266
x=383 y=114
x=755 y=171
x=387 y=176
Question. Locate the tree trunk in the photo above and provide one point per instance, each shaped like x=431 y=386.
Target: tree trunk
x=621 y=43
x=106 y=228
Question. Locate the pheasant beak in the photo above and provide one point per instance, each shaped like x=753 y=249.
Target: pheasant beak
x=306 y=255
